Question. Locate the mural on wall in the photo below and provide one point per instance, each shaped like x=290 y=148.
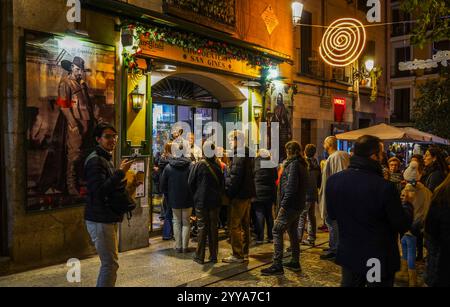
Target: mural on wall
x=69 y=89
x=279 y=98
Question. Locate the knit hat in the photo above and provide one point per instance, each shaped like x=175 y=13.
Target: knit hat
x=412 y=172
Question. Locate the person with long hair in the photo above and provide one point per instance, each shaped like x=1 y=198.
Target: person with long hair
x=437 y=237
x=436 y=168
x=293 y=185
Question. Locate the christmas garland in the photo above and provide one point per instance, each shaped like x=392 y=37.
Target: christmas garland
x=189 y=41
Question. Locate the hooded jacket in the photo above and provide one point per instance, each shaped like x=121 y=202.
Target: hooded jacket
x=174 y=183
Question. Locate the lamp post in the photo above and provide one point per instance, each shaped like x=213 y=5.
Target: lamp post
x=297 y=10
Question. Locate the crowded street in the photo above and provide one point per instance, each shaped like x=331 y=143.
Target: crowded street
x=214 y=144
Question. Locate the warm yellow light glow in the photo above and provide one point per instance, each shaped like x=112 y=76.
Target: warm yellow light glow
x=343 y=42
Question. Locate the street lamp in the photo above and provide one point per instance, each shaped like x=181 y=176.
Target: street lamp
x=297 y=10
x=369 y=65
x=364 y=72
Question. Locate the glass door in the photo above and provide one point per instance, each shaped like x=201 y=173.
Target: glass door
x=164 y=116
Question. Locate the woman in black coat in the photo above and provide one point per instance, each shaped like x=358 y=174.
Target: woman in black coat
x=266 y=192
x=174 y=184
x=437 y=237
x=206 y=183
x=436 y=168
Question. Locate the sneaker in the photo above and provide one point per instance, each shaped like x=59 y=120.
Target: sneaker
x=199 y=261
x=293 y=266
x=328 y=256
x=308 y=242
x=233 y=259
x=212 y=260
x=272 y=270
x=259 y=242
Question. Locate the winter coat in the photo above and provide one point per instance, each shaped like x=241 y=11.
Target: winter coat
x=437 y=241
x=336 y=162
x=370 y=217
x=103 y=182
x=174 y=183
x=314 y=180
x=239 y=182
x=433 y=177
x=265 y=182
x=293 y=184
x=206 y=183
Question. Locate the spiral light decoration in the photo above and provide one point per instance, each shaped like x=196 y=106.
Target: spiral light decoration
x=343 y=42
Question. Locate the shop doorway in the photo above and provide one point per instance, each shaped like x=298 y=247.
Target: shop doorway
x=181 y=97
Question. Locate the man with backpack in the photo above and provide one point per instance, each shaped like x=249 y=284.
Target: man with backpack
x=107 y=201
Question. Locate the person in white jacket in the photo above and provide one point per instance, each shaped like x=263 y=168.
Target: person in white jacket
x=336 y=162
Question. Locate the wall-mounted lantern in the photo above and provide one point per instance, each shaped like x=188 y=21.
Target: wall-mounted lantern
x=137 y=99
x=297 y=10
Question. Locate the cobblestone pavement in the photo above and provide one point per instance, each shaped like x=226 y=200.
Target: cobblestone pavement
x=159 y=266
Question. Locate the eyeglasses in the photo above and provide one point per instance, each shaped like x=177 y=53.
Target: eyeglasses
x=110 y=137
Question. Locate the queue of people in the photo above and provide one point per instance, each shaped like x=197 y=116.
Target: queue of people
x=370 y=209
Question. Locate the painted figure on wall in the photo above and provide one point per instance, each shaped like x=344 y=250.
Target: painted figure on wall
x=78 y=110
x=69 y=89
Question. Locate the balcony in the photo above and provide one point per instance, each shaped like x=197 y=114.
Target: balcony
x=310 y=64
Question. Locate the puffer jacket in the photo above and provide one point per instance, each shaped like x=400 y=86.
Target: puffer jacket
x=174 y=183
x=103 y=181
x=265 y=181
x=293 y=185
x=206 y=182
x=239 y=182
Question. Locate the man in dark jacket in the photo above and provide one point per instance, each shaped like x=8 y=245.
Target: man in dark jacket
x=174 y=185
x=240 y=188
x=312 y=196
x=207 y=185
x=370 y=217
x=293 y=186
x=266 y=193
x=101 y=221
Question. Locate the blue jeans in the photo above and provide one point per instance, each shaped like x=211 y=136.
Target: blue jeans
x=308 y=214
x=409 y=243
x=104 y=237
x=167 y=231
x=334 y=234
x=263 y=212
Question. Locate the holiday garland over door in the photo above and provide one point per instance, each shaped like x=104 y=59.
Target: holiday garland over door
x=135 y=32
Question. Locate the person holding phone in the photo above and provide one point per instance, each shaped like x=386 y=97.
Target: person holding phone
x=103 y=179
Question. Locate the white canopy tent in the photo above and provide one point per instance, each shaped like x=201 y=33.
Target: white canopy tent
x=395 y=134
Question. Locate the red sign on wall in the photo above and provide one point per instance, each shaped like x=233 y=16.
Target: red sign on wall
x=339 y=108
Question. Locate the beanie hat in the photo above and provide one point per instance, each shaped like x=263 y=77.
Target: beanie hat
x=412 y=172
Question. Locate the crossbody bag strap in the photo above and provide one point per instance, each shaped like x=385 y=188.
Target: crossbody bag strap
x=212 y=171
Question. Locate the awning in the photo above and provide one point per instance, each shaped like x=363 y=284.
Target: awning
x=390 y=133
